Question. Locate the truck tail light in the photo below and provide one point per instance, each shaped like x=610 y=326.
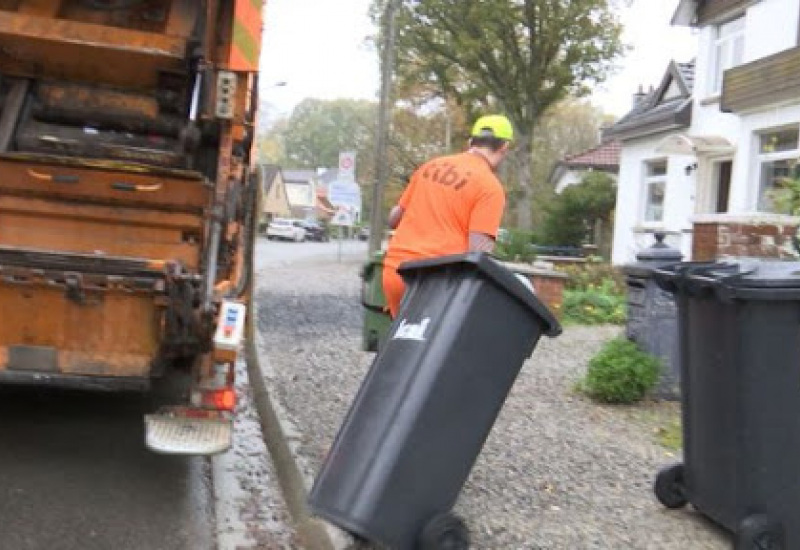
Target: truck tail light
x=222 y=399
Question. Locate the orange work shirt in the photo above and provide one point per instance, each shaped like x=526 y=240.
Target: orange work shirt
x=446 y=199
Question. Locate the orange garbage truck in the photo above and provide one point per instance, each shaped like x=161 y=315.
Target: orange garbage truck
x=128 y=203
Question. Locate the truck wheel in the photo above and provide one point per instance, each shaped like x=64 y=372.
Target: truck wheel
x=759 y=533
x=670 y=486
x=444 y=532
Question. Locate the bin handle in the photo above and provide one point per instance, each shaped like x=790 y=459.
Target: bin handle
x=671 y=277
x=635 y=282
x=721 y=285
x=367 y=305
x=366 y=273
x=371 y=307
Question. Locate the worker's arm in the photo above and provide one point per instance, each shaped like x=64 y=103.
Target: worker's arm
x=480 y=242
x=395 y=215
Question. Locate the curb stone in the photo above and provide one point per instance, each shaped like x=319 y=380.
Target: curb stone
x=281 y=435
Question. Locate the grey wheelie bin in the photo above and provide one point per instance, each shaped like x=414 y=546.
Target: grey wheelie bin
x=739 y=334
x=424 y=410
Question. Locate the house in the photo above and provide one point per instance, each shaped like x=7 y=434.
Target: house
x=324 y=209
x=603 y=158
x=301 y=188
x=274 y=200
x=703 y=152
x=651 y=185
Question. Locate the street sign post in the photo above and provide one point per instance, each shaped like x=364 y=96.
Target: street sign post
x=344 y=217
x=347 y=166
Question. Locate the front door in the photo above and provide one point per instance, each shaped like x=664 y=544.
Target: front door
x=722 y=185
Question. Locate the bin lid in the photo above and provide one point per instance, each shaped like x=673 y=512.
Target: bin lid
x=756 y=274
x=753 y=279
x=498 y=274
x=657 y=255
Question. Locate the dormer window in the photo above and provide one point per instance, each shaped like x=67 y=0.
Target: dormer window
x=728 y=50
x=672 y=91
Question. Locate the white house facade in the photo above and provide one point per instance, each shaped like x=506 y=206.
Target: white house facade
x=742 y=135
x=654 y=188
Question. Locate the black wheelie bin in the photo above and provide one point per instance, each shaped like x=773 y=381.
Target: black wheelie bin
x=424 y=410
x=739 y=334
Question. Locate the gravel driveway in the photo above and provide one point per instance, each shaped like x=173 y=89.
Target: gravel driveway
x=557 y=472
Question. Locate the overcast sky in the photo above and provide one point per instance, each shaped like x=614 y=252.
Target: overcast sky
x=317 y=47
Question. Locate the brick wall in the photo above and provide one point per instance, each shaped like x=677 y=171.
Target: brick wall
x=761 y=236
x=548 y=283
x=550 y=290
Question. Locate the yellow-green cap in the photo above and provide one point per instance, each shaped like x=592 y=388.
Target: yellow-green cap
x=496 y=126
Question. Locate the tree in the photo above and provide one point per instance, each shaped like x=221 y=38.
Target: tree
x=318 y=130
x=569 y=127
x=519 y=57
x=574 y=216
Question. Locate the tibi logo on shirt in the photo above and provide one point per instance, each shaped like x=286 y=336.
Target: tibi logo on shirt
x=411 y=331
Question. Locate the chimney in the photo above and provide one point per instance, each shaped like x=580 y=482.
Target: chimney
x=638 y=97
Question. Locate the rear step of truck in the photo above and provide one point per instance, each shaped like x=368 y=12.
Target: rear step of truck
x=181 y=432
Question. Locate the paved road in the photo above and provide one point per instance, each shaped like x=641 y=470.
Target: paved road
x=74 y=474
x=277 y=253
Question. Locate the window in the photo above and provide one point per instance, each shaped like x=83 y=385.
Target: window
x=655 y=186
x=728 y=50
x=778 y=152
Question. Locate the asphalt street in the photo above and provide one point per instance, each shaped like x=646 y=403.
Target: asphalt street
x=74 y=474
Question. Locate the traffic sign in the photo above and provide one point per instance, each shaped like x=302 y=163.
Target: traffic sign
x=347 y=166
x=343 y=217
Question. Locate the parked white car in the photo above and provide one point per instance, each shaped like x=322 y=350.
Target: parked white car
x=286 y=230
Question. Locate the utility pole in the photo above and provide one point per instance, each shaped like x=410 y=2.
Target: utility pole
x=389 y=34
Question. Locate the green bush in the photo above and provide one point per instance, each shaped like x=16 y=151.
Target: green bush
x=621 y=373
x=572 y=214
x=592 y=305
x=592 y=275
x=515 y=246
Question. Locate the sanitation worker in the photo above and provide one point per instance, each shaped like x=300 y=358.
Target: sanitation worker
x=452 y=205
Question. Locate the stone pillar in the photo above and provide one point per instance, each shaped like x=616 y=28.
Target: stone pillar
x=754 y=235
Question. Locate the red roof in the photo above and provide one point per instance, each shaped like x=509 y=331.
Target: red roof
x=605 y=155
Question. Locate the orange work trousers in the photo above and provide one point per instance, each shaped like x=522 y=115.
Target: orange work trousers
x=393 y=289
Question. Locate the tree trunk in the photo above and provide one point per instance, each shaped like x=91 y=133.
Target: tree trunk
x=389 y=37
x=524 y=164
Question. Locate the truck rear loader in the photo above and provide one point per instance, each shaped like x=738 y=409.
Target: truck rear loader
x=127 y=202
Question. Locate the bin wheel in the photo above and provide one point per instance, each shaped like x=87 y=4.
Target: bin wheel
x=670 y=486
x=759 y=533
x=444 y=532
